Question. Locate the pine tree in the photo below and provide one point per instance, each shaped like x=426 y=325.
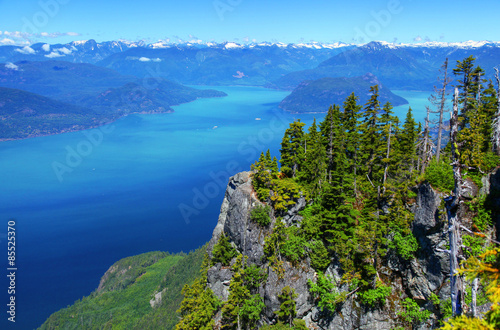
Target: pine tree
x=464 y=71
x=287 y=311
x=407 y=139
x=370 y=137
x=199 y=305
x=314 y=162
x=350 y=118
x=293 y=148
x=232 y=311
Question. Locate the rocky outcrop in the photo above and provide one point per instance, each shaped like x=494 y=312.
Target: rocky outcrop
x=428 y=271
x=417 y=278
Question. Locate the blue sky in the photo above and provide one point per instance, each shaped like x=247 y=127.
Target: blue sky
x=290 y=21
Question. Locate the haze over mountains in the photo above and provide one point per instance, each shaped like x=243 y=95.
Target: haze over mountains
x=277 y=65
x=115 y=78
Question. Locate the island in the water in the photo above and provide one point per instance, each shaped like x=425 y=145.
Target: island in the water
x=315 y=96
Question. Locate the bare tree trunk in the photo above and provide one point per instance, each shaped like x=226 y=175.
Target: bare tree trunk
x=355 y=172
x=495 y=138
x=425 y=146
x=473 y=307
x=387 y=157
x=452 y=208
x=442 y=104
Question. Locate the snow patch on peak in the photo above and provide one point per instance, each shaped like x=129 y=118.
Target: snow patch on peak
x=79 y=42
x=231 y=45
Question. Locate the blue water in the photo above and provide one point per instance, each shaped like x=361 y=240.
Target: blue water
x=84 y=200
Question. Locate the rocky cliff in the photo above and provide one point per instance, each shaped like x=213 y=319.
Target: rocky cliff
x=418 y=278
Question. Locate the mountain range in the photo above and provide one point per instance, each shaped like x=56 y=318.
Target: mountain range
x=275 y=65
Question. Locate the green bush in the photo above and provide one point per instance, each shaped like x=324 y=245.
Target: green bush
x=406 y=246
x=326 y=292
x=294 y=246
x=223 y=251
x=260 y=214
x=375 y=296
x=253 y=276
x=320 y=258
x=411 y=313
x=482 y=219
x=440 y=175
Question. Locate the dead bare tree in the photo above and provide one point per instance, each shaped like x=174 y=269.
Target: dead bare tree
x=438 y=99
x=453 y=204
x=495 y=138
x=425 y=146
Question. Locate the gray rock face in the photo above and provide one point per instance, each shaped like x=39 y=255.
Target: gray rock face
x=429 y=270
x=494 y=198
x=417 y=278
x=294 y=277
x=218 y=280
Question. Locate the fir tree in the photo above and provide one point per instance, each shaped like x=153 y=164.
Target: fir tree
x=293 y=148
x=407 y=140
x=370 y=138
x=350 y=118
x=314 y=164
x=287 y=311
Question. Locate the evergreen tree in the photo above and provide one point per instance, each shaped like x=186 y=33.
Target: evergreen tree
x=464 y=71
x=388 y=129
x=293 y=148
x=314 y=164
x=407 y=142
x=370 y=137
x=287 y=311
x=199 y=305
x=350 y=118
x=232 y=311
x=223 y=251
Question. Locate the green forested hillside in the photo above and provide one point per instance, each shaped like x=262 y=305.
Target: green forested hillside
x=24 y=114
x=122 y=300
x=315 y=96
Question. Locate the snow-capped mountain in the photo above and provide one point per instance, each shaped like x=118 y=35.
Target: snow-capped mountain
x=271 y=64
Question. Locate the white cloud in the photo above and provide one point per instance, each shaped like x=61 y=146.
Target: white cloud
x=54 y=55
x=11 y=66
x=26 y=50
x=7 y=41
x=46 y=47
x=417 y=38
x=64 y=51
x=17 y=34
x=146 y=59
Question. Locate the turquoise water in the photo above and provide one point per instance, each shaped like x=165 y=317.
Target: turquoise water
x=83 y=200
